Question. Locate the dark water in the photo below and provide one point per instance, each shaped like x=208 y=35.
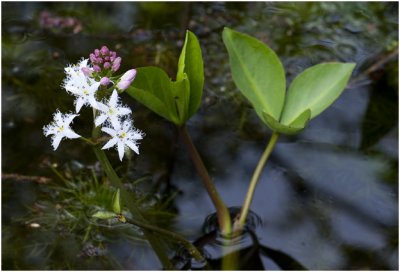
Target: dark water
x=327 y=199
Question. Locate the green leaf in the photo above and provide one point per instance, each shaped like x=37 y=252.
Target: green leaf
x=175 y=101
x=316 y=88
x=150 y=101
x=116 y=203
x=302 y=119
x=191 y=64
x=151 y=87
x=257 y=72
x=104 y=215
x=295 y=127
x=180 y=91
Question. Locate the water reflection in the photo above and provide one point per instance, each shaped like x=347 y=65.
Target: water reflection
x=328 y=196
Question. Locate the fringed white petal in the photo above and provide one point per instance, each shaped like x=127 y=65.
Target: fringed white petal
x=110 y=143
x=100 y=119
x=78 y=104
x=69 y=133
x=132 y=146
x=56 y=141
x=109 y=131
x=121 y=150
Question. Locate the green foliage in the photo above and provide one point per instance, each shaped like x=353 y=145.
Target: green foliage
x=257 y=72
x=259 y=75
x=152 y=88
x=293 y=128
x=316 y=88
x=116 y=202
x=191 y=64
x=177 y=100
x=104 y=215
x=66 y=213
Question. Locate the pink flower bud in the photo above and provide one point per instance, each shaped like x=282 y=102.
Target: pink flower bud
x=115 y=67
x=123 y=84
x=96 y=68
x=104 y=50
x=129 y=75
x=92 y=57
x=99 y=60
x=117 y=60
x=107 y=58
x=86 y=71
x=105 y=81
x=97 y=52
x=106 y=65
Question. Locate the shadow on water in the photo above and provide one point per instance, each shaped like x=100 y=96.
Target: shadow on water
x=326 y=200
x=245 y=248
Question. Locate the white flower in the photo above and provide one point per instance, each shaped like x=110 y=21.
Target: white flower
x=123 y=135
x=82 y=66
x=59 y=128
x=84 y=88
x=112 y=111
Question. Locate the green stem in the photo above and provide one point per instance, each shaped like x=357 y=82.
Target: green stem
x=224 y=219
x=257 y=172
x=58 y=174
x=171 y=235
x=87 y=140
x=116 y=182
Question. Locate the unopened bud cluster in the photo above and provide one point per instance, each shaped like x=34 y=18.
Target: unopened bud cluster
x=105 y=59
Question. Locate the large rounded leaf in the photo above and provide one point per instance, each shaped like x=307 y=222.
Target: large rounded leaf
x=257 y=72
x=316 y=88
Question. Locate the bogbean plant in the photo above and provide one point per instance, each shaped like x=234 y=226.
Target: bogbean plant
x=84 y=81
x=256 y=71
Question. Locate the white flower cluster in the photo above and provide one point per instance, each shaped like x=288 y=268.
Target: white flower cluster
x=110 y=114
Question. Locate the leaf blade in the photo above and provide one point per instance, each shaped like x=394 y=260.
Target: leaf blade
x=180 y=90
x=316 y=88
x=257 y=72
x=151 y=88
x=191 y=63
x=295 y=127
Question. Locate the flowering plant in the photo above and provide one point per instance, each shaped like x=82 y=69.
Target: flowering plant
x=91 y=84
x=256 y=71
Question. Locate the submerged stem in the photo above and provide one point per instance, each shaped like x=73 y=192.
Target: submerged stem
x=256 y=175
x=224 y=219
x=171 y=235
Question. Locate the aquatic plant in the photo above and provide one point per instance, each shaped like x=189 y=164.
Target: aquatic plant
x=177 y=101
x=88 y=84
x=256 y=71
x=259 y=75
